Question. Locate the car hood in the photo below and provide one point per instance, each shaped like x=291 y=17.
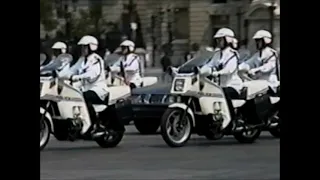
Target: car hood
x=153 y=89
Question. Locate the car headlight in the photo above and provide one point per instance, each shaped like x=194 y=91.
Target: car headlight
x=179 y=84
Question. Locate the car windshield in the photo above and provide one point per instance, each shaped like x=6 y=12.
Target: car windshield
x=198 y=61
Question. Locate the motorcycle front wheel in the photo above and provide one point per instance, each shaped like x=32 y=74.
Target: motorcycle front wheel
x=44 y=132
x=175 y=132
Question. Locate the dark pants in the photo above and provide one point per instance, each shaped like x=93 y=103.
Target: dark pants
x=230 y=93
x=132 y=86
x=92 y=98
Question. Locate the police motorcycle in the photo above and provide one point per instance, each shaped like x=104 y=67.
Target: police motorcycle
x=64 y=114
x=272 y=120
x=202 y=108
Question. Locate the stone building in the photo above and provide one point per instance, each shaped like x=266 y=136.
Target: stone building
x=195 y=21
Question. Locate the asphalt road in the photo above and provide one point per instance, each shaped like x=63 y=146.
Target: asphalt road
x=140 y=157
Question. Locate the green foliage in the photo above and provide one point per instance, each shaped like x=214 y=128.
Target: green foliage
x=46 y=15
x=90 y=21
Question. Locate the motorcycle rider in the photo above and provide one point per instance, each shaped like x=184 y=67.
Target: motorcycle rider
x=263 y=64
x=58 y=48
x=224 y=65
x=90 y=71
x=131 y=64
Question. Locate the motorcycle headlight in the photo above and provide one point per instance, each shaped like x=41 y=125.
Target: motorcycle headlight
x=179 y=84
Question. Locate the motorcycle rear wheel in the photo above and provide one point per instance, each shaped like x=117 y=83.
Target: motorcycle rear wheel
x=247 y=139
x=105 y=142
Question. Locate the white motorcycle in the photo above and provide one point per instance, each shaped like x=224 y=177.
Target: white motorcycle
x=273 y=120
x=203 y=109
x=63 y=113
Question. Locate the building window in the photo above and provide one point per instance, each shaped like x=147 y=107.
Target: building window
x=217 y=22
x=181 y=23
x=219 y=1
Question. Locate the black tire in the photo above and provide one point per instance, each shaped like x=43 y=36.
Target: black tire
x=247 y=139
x=117 y=137
x=44 y=141
x=163 y=127
x=145 y=126
x=275 y=132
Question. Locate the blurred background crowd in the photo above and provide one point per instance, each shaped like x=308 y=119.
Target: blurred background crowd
x=166 y=32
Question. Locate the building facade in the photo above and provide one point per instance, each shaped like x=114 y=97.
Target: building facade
x=194 y=21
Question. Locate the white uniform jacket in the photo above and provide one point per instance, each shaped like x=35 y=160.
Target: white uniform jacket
x=131 y=67
x=265 y=63
x=91 y=74
x=226 y=64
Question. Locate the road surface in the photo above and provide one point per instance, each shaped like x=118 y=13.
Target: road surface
x=141 y=157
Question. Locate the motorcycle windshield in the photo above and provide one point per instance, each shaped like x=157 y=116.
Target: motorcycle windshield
x=58 y=62
x=43 y=57
x=198 y=61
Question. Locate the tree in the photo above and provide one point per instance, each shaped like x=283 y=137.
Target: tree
x=46 y=15
x=89 y=21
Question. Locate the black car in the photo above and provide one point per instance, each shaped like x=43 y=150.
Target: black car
x=149 y=103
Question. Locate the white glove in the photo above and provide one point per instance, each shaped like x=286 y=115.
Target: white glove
x=244 y=67
x=253 y=71
x=206 y=71
x=215 y=74
x=75 y=78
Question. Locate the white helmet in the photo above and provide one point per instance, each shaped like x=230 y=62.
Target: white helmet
x=60 y=45
x=235 y=43
x=129 y=44
x=227 y=33
x=89 y=40
x=263 y=34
